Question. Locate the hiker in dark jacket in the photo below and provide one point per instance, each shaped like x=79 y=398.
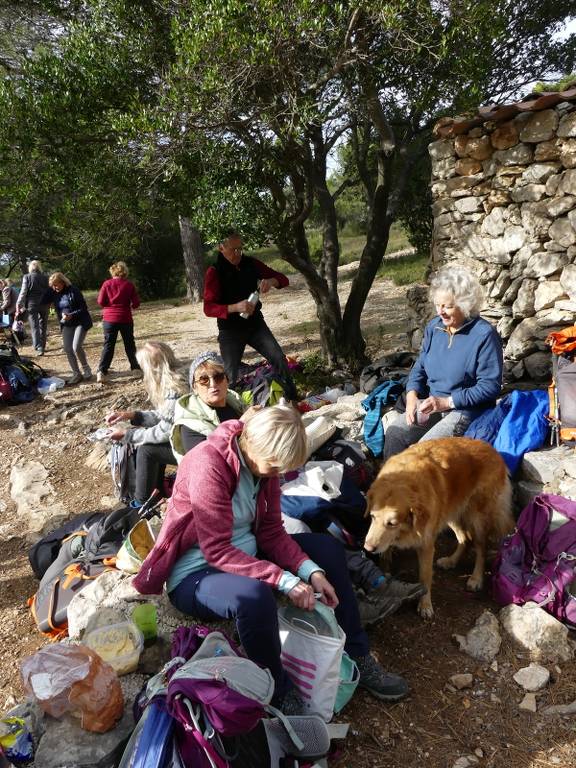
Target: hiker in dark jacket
x=75 y=322
x=32 y=299
x=227 y=287
x=458 y=374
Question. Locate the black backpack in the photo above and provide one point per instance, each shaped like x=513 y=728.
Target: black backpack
x=42 y=554
x=82 y=555
x=390 y=367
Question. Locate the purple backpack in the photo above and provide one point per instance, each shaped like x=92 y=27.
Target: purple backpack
x=537 y=562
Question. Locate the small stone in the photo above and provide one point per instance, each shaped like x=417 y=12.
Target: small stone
x=494 y=699
x=479 y=752
x=462 y=681
x=528 y=703
x=533 y=677
x=494 y=666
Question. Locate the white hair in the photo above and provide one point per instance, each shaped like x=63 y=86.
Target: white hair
x=460 y=283
x=35 y=266
x=276 y=435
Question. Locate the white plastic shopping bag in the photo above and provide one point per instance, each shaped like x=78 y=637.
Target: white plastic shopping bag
x=312 y=655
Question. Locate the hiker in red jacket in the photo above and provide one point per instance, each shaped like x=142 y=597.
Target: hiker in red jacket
x=117 y=297
x=223 y=551
x=232 y=290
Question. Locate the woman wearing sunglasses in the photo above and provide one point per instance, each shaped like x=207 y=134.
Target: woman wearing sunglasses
x=150 y=430
x=209 y=403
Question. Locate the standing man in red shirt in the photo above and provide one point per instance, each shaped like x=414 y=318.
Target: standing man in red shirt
x=227 y=287
x=117 y=297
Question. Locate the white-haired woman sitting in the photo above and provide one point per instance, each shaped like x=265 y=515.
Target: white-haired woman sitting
x=223 y=551
x=458 y=373
x=151 y=429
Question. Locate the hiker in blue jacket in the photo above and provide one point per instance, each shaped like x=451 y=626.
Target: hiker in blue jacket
x=458 y=373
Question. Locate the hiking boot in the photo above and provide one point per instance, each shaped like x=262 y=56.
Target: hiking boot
x=87 y=374
x=39 y=352
x=382 y=685
x=75 y=379
x=101 y=377
x=293 y=703
x=136 y=373
x=373 y=608
x=394 y=589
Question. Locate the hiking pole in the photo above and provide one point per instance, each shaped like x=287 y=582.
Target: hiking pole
x=150 y=506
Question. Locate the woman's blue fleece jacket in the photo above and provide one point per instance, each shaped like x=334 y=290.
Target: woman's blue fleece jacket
x=466 y=365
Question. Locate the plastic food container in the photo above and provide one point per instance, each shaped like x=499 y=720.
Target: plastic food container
x=120 y=645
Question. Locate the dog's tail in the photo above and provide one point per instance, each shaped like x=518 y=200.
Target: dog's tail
x=504 y=520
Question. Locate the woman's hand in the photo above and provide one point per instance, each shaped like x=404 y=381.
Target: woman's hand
x=434 y=404
x=322 y=586
x=117 y=434
x=302 y=595
x=117 y=416
x=66 y=317
x=411 y=405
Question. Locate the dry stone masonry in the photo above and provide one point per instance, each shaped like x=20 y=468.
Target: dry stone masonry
x=504 y=204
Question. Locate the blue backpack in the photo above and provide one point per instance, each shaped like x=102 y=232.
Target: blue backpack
x=23 y=391
x=516 y=425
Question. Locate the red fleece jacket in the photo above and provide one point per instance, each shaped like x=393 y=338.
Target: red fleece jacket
x=118 y=297
x=200 y=514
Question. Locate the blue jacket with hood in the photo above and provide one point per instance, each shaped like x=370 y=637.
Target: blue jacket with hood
x=466 y=365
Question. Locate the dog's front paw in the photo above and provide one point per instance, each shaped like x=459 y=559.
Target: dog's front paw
x=474 y=584
x=425 y=608
x=445 y=563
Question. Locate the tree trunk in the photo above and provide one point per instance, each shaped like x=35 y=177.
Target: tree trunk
x=353 y=343
x=327 y=310
x=193 y=254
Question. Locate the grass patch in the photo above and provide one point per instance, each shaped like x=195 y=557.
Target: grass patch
x=305 y=328
x=405 y=270
x=351 y=247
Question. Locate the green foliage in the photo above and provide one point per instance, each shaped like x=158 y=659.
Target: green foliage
x=405 y=269
x=117 y=116
x=566 y=82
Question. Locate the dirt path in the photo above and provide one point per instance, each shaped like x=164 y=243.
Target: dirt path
x=436 y=725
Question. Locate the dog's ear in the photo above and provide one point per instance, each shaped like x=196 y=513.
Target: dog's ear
x=420 y=517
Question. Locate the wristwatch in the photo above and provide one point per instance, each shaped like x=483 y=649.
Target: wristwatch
x=451 y=402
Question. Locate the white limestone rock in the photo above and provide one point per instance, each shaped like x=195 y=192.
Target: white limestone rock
x=563 y=232
x=538 y=632
x=545 y=263
x=543 y=466
x=547 y=294
x=483 y=641
x=567 y=125
x=568 y=280
x=37 y=509
x=532 y=678
x=540 y=126
x=528 y=703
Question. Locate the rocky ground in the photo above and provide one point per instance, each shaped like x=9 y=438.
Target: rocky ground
x=440 y=725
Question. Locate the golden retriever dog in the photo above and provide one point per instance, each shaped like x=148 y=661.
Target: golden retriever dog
x=453 y=482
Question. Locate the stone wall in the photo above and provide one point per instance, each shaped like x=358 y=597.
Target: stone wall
x=504 y=204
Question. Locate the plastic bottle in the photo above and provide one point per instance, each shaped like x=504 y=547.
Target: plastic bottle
x=253 y=299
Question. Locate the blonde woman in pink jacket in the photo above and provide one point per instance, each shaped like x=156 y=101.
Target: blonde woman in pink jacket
x=223 y=551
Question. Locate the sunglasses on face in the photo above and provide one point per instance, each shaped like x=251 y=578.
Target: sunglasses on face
x=204 y=380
